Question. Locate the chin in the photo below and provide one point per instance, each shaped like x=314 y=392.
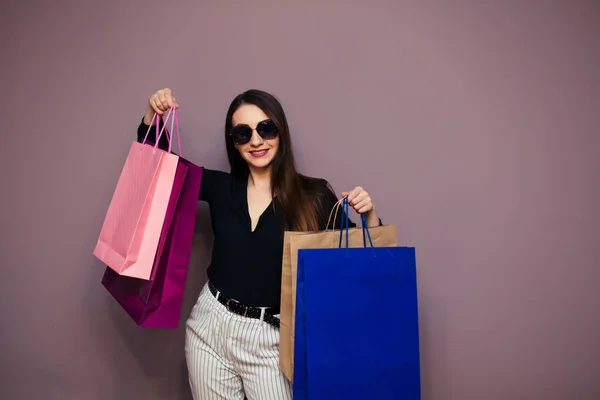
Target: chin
x=260 y=164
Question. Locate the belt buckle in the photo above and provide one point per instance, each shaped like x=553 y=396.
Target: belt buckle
x=227 y=304
x=234 y=301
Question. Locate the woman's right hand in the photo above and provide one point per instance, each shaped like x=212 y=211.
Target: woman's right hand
x=160 y=101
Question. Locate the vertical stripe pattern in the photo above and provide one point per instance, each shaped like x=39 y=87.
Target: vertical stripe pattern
x=230 y=356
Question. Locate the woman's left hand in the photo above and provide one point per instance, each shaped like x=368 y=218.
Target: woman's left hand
x=360 y=200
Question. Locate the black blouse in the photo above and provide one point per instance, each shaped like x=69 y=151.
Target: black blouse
x=246 y=264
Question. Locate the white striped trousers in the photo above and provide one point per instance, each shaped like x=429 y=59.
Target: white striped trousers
x=230 y=357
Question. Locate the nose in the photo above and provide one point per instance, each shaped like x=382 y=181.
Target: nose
x=256 y=139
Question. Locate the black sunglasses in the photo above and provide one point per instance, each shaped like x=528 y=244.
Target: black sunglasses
x=241 y=134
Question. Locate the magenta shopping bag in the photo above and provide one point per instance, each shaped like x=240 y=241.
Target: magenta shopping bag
x=157 y=303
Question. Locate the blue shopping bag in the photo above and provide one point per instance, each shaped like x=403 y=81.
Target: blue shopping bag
x=357 y=334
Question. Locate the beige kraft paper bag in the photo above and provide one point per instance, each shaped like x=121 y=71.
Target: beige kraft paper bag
x=381 y=236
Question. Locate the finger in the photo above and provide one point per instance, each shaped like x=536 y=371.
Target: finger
x=156 y=100
x=364 y=209
x=155 y=106
x=169 y=97
x=364 y=206
x=362 y=196
x=162 y=101
x=353 y=194
x=350 y=195
x=170 y=100
x=175 y=102
x=363 y=203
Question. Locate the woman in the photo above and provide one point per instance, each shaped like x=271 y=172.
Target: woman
x=232 y=334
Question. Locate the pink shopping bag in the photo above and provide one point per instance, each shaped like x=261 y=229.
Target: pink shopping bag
x=157 y=303
x=131 y=230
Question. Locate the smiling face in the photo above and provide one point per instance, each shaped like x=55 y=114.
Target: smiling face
x=258 y=152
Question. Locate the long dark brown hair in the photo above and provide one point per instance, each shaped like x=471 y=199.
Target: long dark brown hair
x=295 y=193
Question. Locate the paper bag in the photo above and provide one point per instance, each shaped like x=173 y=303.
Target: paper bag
x=131 y=230
x=157 y=303
x=381 y=236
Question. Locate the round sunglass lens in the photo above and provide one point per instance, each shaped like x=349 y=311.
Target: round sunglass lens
x=241 y=134
x=268 y=129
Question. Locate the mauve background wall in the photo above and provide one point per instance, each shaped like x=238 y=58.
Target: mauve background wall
x=475 y=126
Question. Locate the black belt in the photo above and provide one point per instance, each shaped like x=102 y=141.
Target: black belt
x=236 y=307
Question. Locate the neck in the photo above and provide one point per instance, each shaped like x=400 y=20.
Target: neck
x=260 y=178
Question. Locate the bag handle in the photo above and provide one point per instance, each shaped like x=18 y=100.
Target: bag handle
x=158 y=134
x=174 y=121
x=344 y=225
x=174 y=127
x=345 y=208
x=365 y=228
x=336 y=206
